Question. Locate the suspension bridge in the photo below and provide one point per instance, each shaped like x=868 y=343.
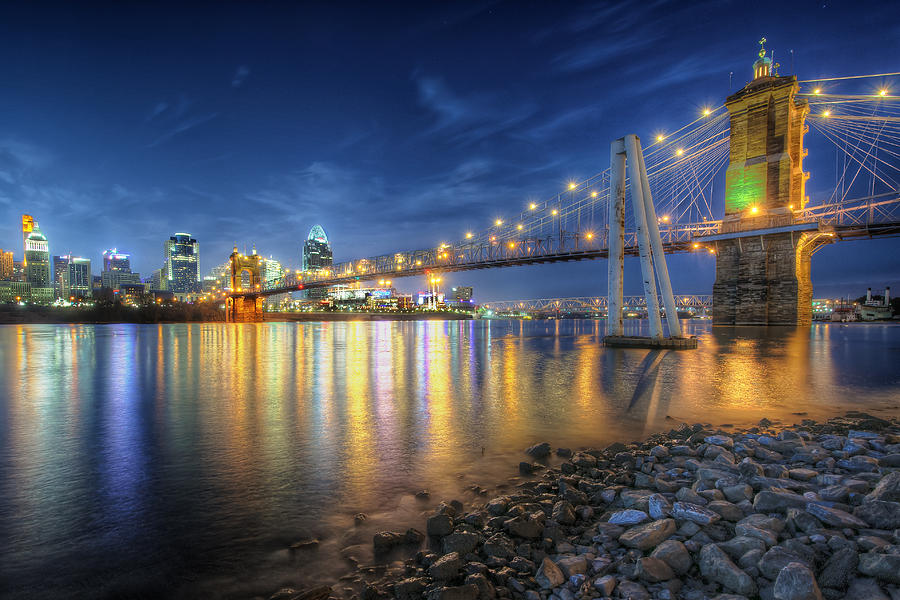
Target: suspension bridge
x=762 y=244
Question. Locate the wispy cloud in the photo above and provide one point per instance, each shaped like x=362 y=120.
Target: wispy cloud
x=182 y=127
x=468 y=118
x=240 y=76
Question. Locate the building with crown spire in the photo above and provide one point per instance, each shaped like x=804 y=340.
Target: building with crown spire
x=763 y=277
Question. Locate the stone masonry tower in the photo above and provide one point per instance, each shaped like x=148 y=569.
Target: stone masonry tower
x=762 y=258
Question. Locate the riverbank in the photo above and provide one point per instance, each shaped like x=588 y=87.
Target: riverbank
x=797 y=512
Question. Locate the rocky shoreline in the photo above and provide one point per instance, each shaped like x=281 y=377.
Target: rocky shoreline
x=805 y=512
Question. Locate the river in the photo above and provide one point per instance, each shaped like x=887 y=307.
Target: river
x=183 y=460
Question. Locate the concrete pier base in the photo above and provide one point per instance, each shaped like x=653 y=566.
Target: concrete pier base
x=635 y=341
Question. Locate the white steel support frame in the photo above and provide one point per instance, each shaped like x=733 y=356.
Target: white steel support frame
x=627 y=152
x=616 y=240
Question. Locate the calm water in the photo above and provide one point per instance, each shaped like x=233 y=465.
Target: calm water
x=183 y=460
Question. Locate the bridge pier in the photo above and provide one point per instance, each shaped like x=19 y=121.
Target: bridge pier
x=765 y=279
x=244 y=309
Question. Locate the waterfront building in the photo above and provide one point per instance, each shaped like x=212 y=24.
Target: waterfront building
x=461 y=293
x=158 y=280
x=37 y=263
x=75 y=281
x=182 y=256
x=6 y=265
x=113 y=260
x=131 y=294
x=113 y=280
x=317 y=256
x=60 y=269
x=14 y=291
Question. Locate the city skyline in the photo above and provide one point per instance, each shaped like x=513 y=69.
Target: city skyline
x=439 y=147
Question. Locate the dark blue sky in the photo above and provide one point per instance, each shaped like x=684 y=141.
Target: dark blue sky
x=394 y=126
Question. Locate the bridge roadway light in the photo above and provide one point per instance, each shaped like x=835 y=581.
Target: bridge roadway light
x=498 y=222
x=554 y=212
x=754 y=209
x=594 y=194
x=572 y=185
x=519 y=226
x=706 y=112
x=532 y=206
x=679 y=152
x=817 y=91
x=883 y=92
x=826 y=113
x=660 y=137
x=469 y=235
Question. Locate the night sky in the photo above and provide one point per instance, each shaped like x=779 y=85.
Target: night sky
x=394 y=126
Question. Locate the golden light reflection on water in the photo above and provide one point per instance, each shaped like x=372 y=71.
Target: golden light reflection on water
x=250 y=429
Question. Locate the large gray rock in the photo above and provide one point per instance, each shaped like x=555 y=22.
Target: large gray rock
x=446 y=567
x=439 y=525
x=835 y=517
x=883 y=567
x=839 y=569
x=529 y=526
x=879 y=514
x=888 y=489
x=740 y=545
x=674 y=554
x=499 y=545
x=796 y=582
x=716 y=566
x=629 y=516
x=659 y=506
x=462 y=542
x=644 y=537
x=653 y=570
x=549 y=575
x=726 y=510
x=633 y=590
x=863 y=588
x=773 y=561
x=541 y=450
x=768 y=501
x=694 y=512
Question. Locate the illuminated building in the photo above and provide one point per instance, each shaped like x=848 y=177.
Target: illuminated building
x=317 y=255
x=75 y=281
x=27 y=227
x=60 y=270
x=113 y=260
x=6 y=265
x=113 y=280
x=158 y=280
x=14 y=291
x=131 y=294
x=462 y=294
x=182 y=257
x=37 y=264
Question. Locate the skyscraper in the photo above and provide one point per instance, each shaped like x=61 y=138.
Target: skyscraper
x=317 y=256
x=113 y=260
x=6 y=265
x=182 y=264
x=75 y=279
x=60 y=271
x=37 y=264
x=317 y=253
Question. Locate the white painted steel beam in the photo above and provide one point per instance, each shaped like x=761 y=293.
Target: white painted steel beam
x=616 y=241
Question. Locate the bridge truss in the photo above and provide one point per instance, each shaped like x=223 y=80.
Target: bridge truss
x=592 y=304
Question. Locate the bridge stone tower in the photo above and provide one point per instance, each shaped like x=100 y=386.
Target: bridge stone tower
x=244 y=305
x=762 y=255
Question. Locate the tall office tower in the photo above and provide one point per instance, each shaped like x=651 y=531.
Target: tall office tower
x=113 y=260
x=317 y=256
x=60 y=272
x=75 y=280
x=182 y=264
x=37 y=264
x=27 y=227
x=6 y=265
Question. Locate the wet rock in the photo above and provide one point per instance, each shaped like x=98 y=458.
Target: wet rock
x=461 y=542
x=644 y=537
x=410 y=589
x=835 y=517
x=439 y=525
x=563 y=512
x=632 y=590
x=768 y=501
x=773 y=561
x=359 y=518
x=740 y=545
x=529 y=527
x=653 y=570
x=499 y=545
x=564 y=452
x=659 y=506
x=572 y=565
x=879 y=514
x=674 y=554
x=605 y=585
x=541 y=450
x=628 y=516
x=413 y=536
x=693 y=512
x=737 y=492
x=720 y=440
x=726 y=510
x=716 y=566
x=883 y=567
x=839 y=569
x=462 y=592
x=385 y=540
x=796 y=582
x=446 y=567
x=486 y=589
x=549 y=575
x=863 y=588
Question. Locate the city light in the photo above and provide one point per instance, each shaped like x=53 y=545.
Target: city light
x=695 y=245
x=498 y=222
x=826 y=113
x=706 y=112
x=660 y=137
x=679 y=152
x=469 y=235
x=572 y=185
x=519 y=226
x=512 y=244
x=665 y=218
x=532 y=206
x=754 y=210
x=590 y=235
x=817 y=91
x=553 y=212
x=594 y=194
x=883 y=92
